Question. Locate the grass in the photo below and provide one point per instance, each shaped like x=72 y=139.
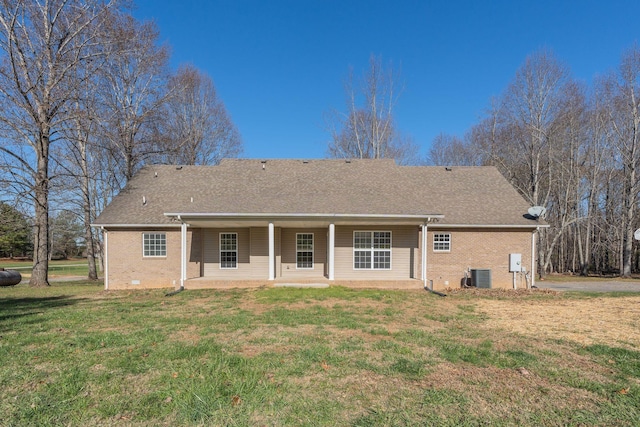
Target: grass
x=73 y=354
x=67 y=267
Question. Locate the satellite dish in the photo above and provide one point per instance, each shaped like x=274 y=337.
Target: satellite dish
x=636 y=234
x=537 y=211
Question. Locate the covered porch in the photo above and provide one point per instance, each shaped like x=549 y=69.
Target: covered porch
x=252 y=250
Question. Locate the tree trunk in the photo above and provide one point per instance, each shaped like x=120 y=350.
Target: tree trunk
x=583 y=253
x=627 y=245
x=40 y=272
x=541 y=254
x=88 y=237
x=86 y=204
x=99 y=255
x=630 y=199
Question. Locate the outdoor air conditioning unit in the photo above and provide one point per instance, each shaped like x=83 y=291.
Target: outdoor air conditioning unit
x=481 y=278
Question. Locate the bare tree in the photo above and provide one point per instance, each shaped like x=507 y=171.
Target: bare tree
x=133 y=92
x=197 y=128
x=75 y=160
x=622 y=94
x=529 y=115
x=572 y=150
x=532 y=104
x=41 y=44
x=597 y=156
x=567 y=191
x=367 y=130
x=449 y=150
x=527 y=134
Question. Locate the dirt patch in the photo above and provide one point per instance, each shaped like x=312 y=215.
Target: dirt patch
x=611 y=321
x=188 y=335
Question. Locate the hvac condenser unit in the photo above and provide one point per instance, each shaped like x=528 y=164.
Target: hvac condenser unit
x=481 y=278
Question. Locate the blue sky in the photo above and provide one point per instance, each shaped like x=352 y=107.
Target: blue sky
x=279 y=65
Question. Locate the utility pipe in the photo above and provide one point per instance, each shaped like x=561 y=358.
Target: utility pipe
x=183 y=258
x=424 y=262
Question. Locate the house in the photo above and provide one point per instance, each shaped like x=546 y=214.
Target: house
x=348 y=222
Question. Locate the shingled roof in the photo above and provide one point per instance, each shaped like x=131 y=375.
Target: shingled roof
x=464 y=195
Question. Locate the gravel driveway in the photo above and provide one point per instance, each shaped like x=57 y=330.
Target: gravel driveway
x=591 y=286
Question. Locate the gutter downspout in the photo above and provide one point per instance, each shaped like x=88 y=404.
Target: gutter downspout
x=424 y=261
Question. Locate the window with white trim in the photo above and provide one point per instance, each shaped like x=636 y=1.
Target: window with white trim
x=304 y=250
x=372 y=250
x=154 y=245
x=442 y=242
x=228 y=250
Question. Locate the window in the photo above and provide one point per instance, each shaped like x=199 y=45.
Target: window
x=304 y=250
x=442 y=242
x=228 y=250
x=154 y=244
x=372 y=250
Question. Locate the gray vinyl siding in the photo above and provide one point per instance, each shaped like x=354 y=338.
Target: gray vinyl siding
x=277 y=244
x=288 y=265
x=211 y=254
x=259 y=252
x=194 y=266
x=253 y=253
x=404 y=253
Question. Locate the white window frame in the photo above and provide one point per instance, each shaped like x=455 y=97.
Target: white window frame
x=221 y=250
x=158 y=242
x=372 y=250
x=305 y=250
x=441 y=242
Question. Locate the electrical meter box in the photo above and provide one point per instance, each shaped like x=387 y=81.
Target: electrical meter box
x=515 y=263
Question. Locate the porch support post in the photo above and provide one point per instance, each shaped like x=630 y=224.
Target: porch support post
x=105 y=258
x=183 y=254
x=533 y=258
x=332 y=250
x=272 y=253
x=424 y=254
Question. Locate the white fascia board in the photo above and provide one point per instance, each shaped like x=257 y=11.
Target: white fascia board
x=136 y=225
x=532 y=226
x=299 y=216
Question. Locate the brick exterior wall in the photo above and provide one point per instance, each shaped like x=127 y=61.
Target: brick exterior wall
x=129 y=269
x=483 y=249
x=478 y=249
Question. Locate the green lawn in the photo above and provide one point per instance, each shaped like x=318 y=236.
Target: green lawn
x=67 y=267
x=73 y=354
